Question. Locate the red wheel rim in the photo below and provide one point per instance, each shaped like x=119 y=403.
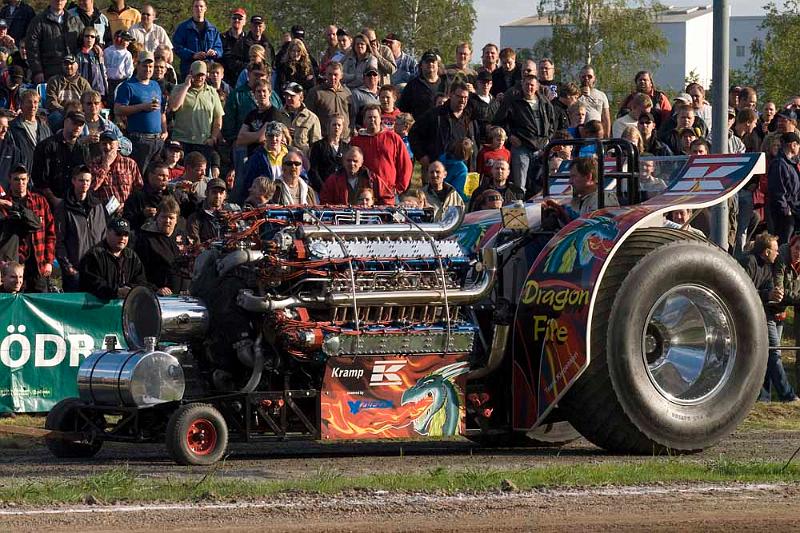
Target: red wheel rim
x=201 y=437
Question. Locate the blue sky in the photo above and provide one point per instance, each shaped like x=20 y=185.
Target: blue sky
x=492 y=13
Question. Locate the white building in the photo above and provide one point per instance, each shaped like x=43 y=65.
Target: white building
x=688 y=31
x=744 y=30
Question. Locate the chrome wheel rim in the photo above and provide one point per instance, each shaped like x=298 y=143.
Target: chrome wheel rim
x=688 y=344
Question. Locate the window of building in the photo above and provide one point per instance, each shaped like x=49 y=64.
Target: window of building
x=739 y=51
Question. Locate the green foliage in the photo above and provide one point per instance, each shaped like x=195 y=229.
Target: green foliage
x=617 y=38
x=775 y=62
x=419 y=23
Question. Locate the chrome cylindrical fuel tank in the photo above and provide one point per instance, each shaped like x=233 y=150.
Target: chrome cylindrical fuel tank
x=139 y=378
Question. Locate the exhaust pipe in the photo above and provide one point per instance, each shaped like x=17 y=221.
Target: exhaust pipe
x=450 y=222
x=236 y=258
x=475 y=293
x=496 y=352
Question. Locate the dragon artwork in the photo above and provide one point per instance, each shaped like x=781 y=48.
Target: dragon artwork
x=594 y=238
x=442 y=417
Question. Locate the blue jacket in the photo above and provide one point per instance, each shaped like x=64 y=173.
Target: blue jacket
x=188 y=41
x=783 y=186
x=456 y=174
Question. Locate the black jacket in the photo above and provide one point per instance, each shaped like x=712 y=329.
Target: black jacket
x=158 y=254
x=517 y=117
x=240 y=54
x=656 y=147
x=228 y=44
x=435 y=130
x=24 y=143
x=102 y=274
x=418 y=97
x=9 y=158
x=760 y=272
x=510 y=194
x=18 y=22
x=203 y=225
x=560 y=115
x=79 y=227
x=483 y=114
x=133 y=211
x=324 y=162
x=48 y=41
x=503 y=81
x=53 y=161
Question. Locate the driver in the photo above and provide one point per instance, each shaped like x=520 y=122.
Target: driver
x=583 y=179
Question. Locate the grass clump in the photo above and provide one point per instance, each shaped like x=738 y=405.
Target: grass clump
x=123 y=485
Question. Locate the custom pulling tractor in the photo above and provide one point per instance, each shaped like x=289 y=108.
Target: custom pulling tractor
x=342 y=323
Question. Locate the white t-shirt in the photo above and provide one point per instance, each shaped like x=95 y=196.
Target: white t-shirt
x=621 y=123
x=595 y=103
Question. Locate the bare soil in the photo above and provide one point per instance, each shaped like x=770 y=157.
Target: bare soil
x=671 y=507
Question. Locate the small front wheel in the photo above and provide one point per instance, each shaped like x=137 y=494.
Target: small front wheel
x=196 y=435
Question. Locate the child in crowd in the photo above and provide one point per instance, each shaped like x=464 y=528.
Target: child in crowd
x=402 y=124
x=215 y=74
x=456 y=162
x=119 y=62
x=493 y=151
x=13 y=278
x=365 y=197
x=172 y=154
x=256 y=54
x=387 y=95
x=413 y=199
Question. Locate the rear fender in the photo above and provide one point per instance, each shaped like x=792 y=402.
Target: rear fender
x=551 y=339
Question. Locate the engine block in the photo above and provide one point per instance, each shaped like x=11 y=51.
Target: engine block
x=363 y=281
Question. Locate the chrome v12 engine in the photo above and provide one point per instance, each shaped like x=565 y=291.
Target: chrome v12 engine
x=354 y=282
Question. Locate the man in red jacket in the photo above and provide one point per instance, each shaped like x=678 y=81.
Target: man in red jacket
x=342 y=188
x=385 y=153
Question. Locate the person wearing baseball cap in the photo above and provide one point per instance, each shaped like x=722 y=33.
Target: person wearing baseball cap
x=419 y=96
x=11 y=87
x=198 y=115
x=305 y=126
x=256 y=35
x=406 y=64
x=205 y=223
x=110 y=269
x=230 y=38
x=39 y=255
x=367 y=92
x=64 y=87
x=118 y=60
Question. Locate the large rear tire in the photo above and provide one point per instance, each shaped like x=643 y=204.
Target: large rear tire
x=678 y=348
x=66 y=416
x=196 y=435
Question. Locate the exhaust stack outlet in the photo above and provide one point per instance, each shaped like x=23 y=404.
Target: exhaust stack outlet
x=165 y=318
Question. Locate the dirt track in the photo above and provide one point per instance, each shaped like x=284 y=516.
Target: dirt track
x=663 y=507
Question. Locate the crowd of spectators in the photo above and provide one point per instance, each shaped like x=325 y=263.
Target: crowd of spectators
x=114 y=159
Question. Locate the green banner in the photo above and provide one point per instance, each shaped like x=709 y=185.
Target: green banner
x=43 y=339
